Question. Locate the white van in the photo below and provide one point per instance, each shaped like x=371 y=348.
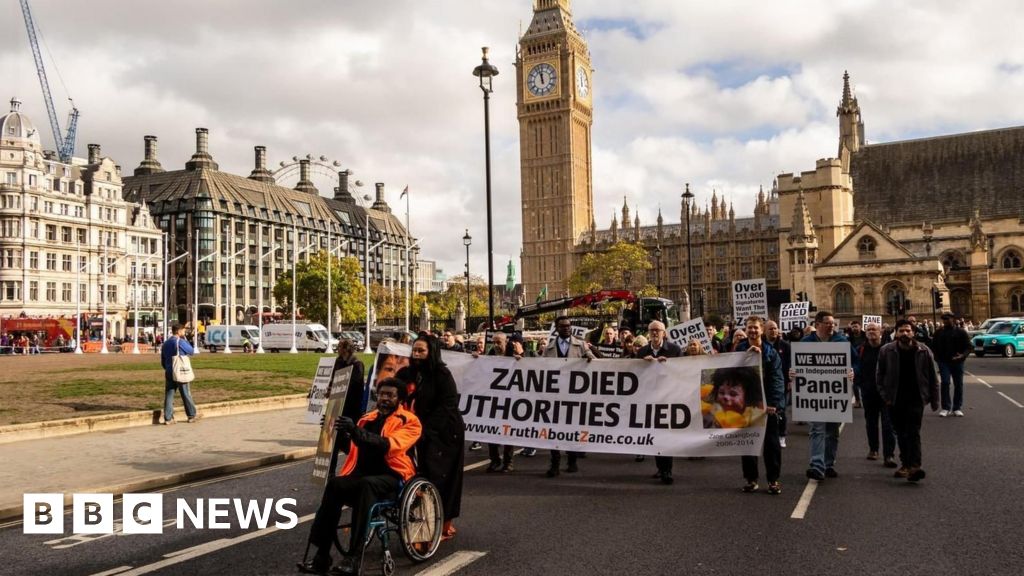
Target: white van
x=308 y=337
x=216 y=336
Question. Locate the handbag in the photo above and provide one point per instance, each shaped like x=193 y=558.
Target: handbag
x=181 y=367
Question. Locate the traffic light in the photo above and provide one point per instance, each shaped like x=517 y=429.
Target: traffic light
x=937 y=296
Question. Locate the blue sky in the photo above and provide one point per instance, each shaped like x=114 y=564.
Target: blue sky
x=723 y=95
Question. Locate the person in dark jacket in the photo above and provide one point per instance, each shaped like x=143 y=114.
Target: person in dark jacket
x=951 y=346
x=907 y=382
x=660 y=348
x=355 y=403
x=434 y=398
x=775 y=403
x=874 y=408
x=773 y=336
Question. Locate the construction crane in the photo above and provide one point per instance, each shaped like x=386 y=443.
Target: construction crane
x=66 y=144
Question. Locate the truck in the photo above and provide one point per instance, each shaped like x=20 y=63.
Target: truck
x=216 y=336
x=636 y=313
x=307 y=337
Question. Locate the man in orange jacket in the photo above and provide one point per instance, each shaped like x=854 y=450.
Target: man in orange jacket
x=377 y=462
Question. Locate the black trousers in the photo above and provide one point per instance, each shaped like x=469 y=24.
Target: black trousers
x=500 y=454
x=906 y=421
x=358 y=492
x=556 y=458
x=664 y=464
x=772 y=452
x=875 y=410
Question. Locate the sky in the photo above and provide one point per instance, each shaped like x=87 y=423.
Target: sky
x=722 y=95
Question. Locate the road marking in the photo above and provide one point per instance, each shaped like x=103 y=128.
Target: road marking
x=805 y=499
x=113 y=571
x=978 y=379
x=1012 y=401
x=453 y=563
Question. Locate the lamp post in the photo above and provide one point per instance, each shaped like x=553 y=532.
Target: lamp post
x=295 y=284
x=106 y=294
x=78 y=298
x=486 y=73
x=167 y=265
x=231 y=298
x=687 y=202
x=259 y=349
x=366 y=278
x=657 y=268
x=330 y=262
x=408 y=262
x=195 y=310
x=467 y=240
x=135 y=304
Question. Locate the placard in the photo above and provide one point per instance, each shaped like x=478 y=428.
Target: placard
x=317 y=397
x=325 y=459
x=822 y=392
x=793 y=315
x=681 y=334
x=749 y=298
x=868 y=318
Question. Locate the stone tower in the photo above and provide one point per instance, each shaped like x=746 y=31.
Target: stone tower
x=553 y=80
x=801 y=250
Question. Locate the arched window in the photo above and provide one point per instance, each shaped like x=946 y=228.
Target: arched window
x=1011 y=260
x=842 y=299
x=866 y=246
x=1017 y=300
x=952 y=261
x=895 y=294
x=960 y=302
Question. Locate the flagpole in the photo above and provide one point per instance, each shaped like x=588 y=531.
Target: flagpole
x=408 y=267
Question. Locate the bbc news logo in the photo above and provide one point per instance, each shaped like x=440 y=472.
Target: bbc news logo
x=144 y=513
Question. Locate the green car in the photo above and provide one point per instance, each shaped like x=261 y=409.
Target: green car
x=1006 y=338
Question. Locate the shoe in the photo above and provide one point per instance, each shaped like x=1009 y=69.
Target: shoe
x=943 y=413
x=815 y=474
x=572 y=468
x=170 y=422
x=775 y=488
x=915 y=474
x=751 y=486
x=901 y=473
x=782 y=441
x=958 y=413
x=475 y=446
x=319 y=564
x=193 y=419
x=657 y=475
x=529 y=452
x=552 y=472
x=507 y=467
x=347 y=566
x=831 y=473
x=639 y=458
x=873 y=455
x=449 y=531
x=890 y=462
x=856 y=404
x=494 y=467
x=667 y=479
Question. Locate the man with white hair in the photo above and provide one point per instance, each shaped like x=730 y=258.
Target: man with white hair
x=660 y=349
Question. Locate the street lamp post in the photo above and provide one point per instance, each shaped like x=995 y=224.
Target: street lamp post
x=195 y=310
x=486 y=73
x=78 y=298
x=106 y=284
x=167 y=265
x=295 y=284
x=687 y=202
x=467 y=240
x=231 y=298
x=657 y=268
x=135 y=304
x=366 y=278
x=330 y=262
x=409 y=248
x=259 y=349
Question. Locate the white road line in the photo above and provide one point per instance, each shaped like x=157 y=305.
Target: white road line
x=805 y=500
x=1012 y=401
x=978 y=379
x=453 y=563
x=113 y=571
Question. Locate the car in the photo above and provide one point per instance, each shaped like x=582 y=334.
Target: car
x=1006 y=338
x=985 y=326
x=381 y=334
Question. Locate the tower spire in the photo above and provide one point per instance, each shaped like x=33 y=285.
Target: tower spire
x=847 y=97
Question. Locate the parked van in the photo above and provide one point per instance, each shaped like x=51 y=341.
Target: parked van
x=308 y=337
x=217 y=335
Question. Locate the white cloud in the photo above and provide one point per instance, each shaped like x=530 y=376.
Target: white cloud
x=722 y=95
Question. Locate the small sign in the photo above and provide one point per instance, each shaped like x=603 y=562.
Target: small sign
x=793 y=315
x=681 y=334
x=749 y=298
x=822 y=392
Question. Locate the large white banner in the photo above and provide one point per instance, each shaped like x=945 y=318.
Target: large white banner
x=821 y=390
x=682 y=334
x=749 y=298
x=681 y=407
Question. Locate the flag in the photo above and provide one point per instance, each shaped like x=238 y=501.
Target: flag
x=404 y=192
x=543 y=293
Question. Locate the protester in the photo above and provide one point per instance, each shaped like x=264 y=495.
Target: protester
x=501 y=456
x=608 y=346
x=565 y=345
x=176 y=345
x=660 y=349
x=875 y=409
x=773 y=336
x=434 y=398
x=906 y=382
x=449 y=342
x=951 y=346
x=377 y=460
x=775 y=403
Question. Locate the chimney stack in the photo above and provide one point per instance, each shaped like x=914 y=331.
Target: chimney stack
x=149 y=165
x=380 y=203
x=94 y=153
x=341 y=193
x=260 y=172
x=305 y=184
x=202 y=159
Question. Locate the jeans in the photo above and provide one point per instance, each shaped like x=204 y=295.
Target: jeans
x=875 y=410
x=772 y=454
x=956 y=370
x=186 y=398
x=824 y=445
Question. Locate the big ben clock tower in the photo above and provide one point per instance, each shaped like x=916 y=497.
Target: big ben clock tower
x=554 y=107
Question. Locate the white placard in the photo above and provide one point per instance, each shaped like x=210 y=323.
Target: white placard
x=317 y=395
x=749 y=298
x=682 y=334
x=793 y=315
x=868 y=318
x=821 y=390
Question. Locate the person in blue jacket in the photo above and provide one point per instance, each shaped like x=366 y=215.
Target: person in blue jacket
x=775 y=405
x=174 y=346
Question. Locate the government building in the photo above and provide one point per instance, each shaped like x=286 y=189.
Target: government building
x=892 y=229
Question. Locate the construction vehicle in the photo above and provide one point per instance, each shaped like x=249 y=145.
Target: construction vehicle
x=636 y=314
x=65 y=144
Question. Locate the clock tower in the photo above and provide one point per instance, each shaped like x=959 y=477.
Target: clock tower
x=554 y=98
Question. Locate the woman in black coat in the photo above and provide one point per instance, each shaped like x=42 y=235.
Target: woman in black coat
x=434 y=398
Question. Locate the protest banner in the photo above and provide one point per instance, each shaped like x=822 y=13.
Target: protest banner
x=793 y=315
x=608 y=350
x=749 y=298
x=869 y=318
x=616 y=406
x=325 y=459
x=317 y=396
x=821 y=390
x=577 y=331
x=682 y=334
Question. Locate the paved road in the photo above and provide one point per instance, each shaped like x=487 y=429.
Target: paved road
x=967 y=517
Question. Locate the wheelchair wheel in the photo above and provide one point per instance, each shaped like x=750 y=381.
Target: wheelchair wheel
x=420 y=520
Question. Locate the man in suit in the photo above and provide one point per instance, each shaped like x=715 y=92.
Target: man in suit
x=660 y=349
x=565 y=345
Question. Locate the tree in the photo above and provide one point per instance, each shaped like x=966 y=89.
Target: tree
x=348 y=297
x=442 y=305
x=605 y=270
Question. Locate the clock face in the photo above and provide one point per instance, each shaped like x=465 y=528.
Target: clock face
x=541 y=80
x=582 y=83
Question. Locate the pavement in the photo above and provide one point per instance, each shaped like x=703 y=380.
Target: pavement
x=146 y=458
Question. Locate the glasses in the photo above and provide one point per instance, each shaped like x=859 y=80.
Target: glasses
x=565 y=325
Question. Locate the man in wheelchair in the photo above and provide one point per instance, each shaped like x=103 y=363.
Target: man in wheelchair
x=378 y=462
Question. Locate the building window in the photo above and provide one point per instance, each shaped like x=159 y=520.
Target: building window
x=65 y=262
x=51 y=291
x=1017 y=300
x=842 y=299
x=65 y=292
x=12 y=178
x=81 y=236
x=51 y=261
x=33 y=290
x=952 y=261
x=1011 y=260
x=51 y=233
x=12 y=291
x=866 y=246
x=33 y=260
